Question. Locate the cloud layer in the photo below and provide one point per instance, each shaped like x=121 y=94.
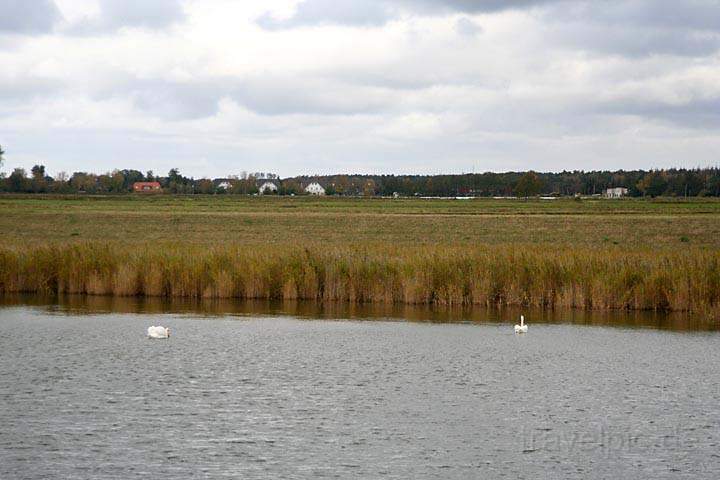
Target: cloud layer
x=116 y=14
x=378 y=12
x=317 y=86
x=23 y=16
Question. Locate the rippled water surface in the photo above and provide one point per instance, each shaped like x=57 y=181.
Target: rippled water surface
x=89 y=396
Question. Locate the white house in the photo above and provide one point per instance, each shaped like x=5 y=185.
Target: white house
x=315 y=189
x=616 y=192
x=225 y=185
x=267 y=187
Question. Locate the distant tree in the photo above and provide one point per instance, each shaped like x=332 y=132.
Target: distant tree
x=174 y=176
x=18 y=181
x=117 y=181
x=712 y=184
x=289 y=187
x=149 y=176
x=369 y=188
x=653 y=184
x=342 y=185
x=2 y=152
x=529 y=185
x=130 y=177
x=176 y=183
x=243 y=185
x=60 y=184
x=104 y=183
x=84 y=182
x=693 y=184
x=38 y=171
x=38 y=182
x=205 y=186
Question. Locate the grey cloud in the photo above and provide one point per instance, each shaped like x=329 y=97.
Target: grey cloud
x=629 y=28
x=638 y=28
x=379 y=12
x=266 y=95
x=167 y=99
x=116 y=14
x=671 y=14
x=410 y=74
x=141 y=13
x=279 y=96
x=14 y=91
x=475 y=6
x=28 y=16
x=697 y=113
x=346 y=12
x=173 y=100
x=631 y=41
x=330 y=96
x=685 y=14
x=466 y=27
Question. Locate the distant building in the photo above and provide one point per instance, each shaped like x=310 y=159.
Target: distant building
x=146 y=187
x=315 y=189
x=616 y=192
x=267 y=187
x=225 y=185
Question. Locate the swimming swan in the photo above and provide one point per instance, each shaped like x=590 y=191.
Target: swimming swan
x=522 y=328
x=158 y=332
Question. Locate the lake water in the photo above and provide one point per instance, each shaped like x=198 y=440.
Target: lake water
x=244 y=394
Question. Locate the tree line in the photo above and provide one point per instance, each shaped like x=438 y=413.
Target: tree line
x=677 y=182
x=668 y=182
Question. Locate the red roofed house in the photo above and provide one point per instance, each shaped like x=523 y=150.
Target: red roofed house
x=146 y=187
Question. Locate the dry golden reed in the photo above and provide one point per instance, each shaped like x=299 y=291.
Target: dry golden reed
x=598 y=279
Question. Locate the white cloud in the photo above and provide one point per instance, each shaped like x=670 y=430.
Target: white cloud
x=380 y=86
x=93 y=17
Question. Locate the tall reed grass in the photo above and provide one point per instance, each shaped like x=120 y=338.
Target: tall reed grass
x=597 y=279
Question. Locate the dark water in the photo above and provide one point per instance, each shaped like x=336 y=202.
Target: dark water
x=86 y=395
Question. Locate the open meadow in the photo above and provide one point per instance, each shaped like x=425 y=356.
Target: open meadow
x=591 y=253
x=338 y=222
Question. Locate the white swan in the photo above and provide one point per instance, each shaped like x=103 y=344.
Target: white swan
x=158 y=332
x=522 y=328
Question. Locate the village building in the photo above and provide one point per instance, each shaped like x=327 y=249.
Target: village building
x=225 y=185
x=267 y=187
x=616 y=192
x=315 y=189
x=147 y=187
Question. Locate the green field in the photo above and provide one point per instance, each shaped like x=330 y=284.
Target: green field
x=213 y=220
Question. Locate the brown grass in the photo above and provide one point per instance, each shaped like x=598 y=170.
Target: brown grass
x=595 y=279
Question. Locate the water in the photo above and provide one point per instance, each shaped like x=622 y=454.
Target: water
x=86 y=395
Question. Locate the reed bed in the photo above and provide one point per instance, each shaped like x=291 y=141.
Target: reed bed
x=593 y=279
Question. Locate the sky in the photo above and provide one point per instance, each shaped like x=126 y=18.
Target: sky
x=218 y=87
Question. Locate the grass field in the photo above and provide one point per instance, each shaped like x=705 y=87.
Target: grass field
x=218 y=220
x=592 y=254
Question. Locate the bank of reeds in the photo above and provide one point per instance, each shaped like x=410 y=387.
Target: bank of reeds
x=687 y=280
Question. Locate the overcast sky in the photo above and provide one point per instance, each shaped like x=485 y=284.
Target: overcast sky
x=215 y=87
